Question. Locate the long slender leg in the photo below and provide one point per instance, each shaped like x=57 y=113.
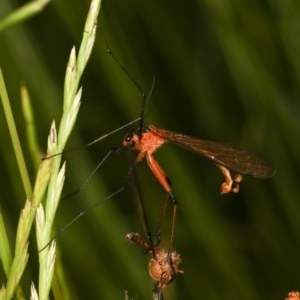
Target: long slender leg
x=135 y=187
x=164 y=181
x=161 y=219
x=160 y=175
x=172 y=228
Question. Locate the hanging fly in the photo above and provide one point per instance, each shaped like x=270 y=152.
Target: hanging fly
x=234 y=162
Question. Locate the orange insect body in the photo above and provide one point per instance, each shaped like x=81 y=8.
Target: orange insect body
x=147 y=144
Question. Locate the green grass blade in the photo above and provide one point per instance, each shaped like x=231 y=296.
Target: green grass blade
x=23 y=13
x=5 y=252
x=14 y=136
x=30 y=127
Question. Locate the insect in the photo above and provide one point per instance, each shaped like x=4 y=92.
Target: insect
x=162 y=267
x=234 y=162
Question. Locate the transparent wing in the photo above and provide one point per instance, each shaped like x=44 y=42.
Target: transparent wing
x=236 y=159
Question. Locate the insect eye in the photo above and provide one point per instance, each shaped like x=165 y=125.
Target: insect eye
x=128 y=137
x=129 y=140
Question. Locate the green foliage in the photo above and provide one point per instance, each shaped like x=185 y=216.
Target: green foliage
x=224 y=70
x=50 y=174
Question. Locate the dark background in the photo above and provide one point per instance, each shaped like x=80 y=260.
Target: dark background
x=224 y=71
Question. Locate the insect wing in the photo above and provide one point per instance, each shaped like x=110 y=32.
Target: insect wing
x=236 y=159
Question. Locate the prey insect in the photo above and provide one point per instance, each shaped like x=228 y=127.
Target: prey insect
x=162 y=267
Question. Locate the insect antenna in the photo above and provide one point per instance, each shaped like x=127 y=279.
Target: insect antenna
x=145 y=97
x=144 y=103
x=94 y=141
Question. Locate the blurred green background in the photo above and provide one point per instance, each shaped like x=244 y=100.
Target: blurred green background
x=225 y=70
